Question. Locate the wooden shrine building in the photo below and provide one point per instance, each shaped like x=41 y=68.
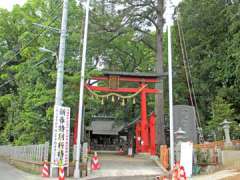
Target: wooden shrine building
x=106 y=133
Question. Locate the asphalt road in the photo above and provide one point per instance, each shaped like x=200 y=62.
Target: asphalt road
x=8 y=172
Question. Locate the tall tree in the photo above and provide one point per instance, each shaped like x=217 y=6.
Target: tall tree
x=29 y=98
x=28 y=76
x=210 y=30
x=143 y=16
x=159 y=101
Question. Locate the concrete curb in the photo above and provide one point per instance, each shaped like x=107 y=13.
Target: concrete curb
x=157 y=162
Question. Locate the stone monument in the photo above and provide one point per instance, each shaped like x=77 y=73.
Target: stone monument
x=184 y=117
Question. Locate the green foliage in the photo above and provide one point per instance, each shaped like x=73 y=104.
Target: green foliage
x=203 y=157
x=27 y=101
x=221 y=110
x=120 y=39
x=210 y=30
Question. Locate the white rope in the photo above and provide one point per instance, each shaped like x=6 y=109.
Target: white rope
x=115 y=94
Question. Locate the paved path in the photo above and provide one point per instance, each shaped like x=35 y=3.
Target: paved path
x=117 y=166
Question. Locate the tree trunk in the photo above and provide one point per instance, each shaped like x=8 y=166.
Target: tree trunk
x=159 y=98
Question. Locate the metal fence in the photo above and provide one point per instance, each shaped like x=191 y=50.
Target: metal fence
x=34 y=153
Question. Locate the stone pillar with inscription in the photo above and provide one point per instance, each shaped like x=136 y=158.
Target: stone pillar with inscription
x=185 y=118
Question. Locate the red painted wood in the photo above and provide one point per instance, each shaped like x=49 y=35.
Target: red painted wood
x=121 y=90
x=152 y=130
x=145 y=131
x=144 y=124
x=129 y=79
x=75 y=129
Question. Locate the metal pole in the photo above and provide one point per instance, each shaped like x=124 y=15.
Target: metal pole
x=170 y=96
x=60 y=70
x=80 y=108
x=60 y=66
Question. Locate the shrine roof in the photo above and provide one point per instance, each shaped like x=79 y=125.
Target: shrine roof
x=134 y=74
x=105 y=127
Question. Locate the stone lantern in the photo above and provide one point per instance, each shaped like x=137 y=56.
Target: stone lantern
x=226 y=127
x=180 y=137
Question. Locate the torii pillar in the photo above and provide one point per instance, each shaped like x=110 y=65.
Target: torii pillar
x=144 y=123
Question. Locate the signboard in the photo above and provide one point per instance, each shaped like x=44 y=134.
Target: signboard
x=114 y=82
x=186 y=157
x=61 y=136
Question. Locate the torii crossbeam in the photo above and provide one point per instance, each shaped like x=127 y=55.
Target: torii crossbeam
x=145 y=130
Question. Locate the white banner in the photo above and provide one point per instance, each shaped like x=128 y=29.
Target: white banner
x=61 y=136
x=186 y=158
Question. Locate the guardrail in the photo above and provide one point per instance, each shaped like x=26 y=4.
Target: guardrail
x=33 y=153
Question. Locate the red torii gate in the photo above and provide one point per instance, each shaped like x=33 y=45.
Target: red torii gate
x=145 y=131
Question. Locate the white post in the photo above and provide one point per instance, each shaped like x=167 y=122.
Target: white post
x=60 y=71
x=80 y=108
x=170 y=89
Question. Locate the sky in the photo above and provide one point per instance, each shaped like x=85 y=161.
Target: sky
x=8 y=4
